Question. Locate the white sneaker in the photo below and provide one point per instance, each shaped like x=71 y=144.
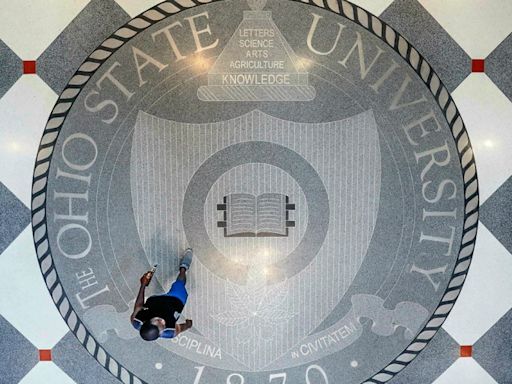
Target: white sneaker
x=186 y=259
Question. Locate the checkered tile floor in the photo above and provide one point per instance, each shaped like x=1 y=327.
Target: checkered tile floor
x=469 y=44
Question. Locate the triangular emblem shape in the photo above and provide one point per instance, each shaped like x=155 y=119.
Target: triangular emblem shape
x=258 y=64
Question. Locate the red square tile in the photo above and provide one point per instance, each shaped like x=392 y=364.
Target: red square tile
x=29 y=67
x=466 y=351
x=478 y=65
x=45 y=355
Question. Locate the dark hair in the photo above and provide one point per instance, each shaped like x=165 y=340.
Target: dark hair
x=149 y=332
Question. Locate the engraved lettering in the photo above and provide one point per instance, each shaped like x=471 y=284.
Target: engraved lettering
x=170 y=39
x=420 y=123
x=363 y=70
x=101 y=106
x=395 y=102
x=438 y=239
x=433 y=160
x=440 y=190
x=376 y=86
x=74 y=240
x=428 y=273
x=86 y=279
x=70 y=215
x=109 y=76
x=196 y=33
x=137 y=53
x=76 y=166
x=312 y=31
x=83 y=300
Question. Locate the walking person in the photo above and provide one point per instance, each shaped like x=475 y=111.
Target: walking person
x=156 y=317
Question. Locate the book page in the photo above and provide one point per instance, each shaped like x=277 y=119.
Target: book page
x=271 y=213
x=241 y=214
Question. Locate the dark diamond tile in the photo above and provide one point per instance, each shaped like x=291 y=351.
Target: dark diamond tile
x=414 y=22
x=439 y=354
x=493 y=351
x=14 y=217
x=98 y=20
x=496 y=214
x=10 y=68
x=498 y=68
x=77 y=363
x=18 y=354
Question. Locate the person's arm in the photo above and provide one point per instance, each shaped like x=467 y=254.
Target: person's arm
x=139 y=302
x=183 y=327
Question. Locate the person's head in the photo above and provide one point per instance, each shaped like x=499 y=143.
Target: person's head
x=152 y=329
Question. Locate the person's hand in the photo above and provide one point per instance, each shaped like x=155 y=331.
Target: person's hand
x=146 y=279
x=183 y=327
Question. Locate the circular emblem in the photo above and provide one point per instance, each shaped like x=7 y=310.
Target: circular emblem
x=310 y=157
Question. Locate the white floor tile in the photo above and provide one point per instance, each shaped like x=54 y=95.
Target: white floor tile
x=24 y=109
x=487 y=292
x=46 y=372
x=465 y=371
x=374 y=6
x=135 y=7
x=487 y=113
x=26 y=295
x=477 y=26
x=29 y=27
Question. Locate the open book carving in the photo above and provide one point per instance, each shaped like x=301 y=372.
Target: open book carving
x=246 y=215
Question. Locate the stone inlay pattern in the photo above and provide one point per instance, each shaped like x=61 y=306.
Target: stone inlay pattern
x=491 y=351
x=354 y=13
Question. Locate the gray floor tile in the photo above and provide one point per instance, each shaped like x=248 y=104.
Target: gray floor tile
x=14 y=217
x=78 y=364
x=11 y=68
x=95 y=23
x=439 y=354
x=447 y=58
x=496 y=212
x=493 y=351
x=19 y=355
x=498 y=66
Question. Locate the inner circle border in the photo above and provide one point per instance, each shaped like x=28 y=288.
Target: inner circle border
x=171 y=7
